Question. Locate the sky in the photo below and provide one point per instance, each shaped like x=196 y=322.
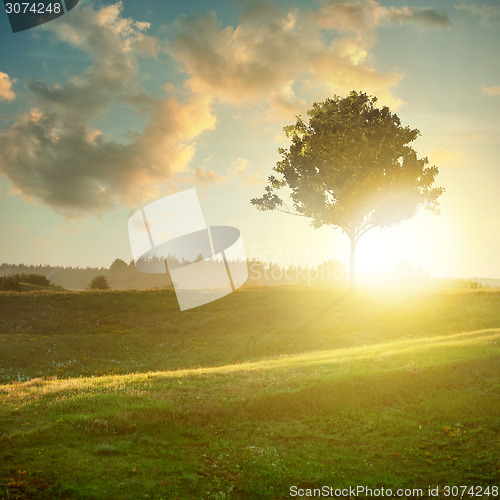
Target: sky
x=117 y=104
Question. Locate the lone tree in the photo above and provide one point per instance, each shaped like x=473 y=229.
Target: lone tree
x=99 y=283
x=351 y=167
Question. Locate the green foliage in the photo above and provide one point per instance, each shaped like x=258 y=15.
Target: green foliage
x=99 y=283
x=351 y=166
x=118 y=266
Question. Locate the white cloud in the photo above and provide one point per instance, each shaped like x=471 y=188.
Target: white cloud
x=287 y=57
x=6 y=91
x=205 y=177
x=280 y=56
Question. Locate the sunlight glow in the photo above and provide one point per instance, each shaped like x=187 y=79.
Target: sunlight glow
x=383 y=250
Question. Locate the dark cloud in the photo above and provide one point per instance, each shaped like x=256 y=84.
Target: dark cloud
x=73 y=168
x=426 y=17
x=81 y=101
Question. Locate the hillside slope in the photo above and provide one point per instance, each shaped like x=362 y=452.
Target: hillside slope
x=404 y=413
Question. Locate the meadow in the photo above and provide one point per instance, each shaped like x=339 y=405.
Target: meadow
x=119 y=395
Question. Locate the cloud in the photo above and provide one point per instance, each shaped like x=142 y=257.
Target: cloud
x=6 y=91
x=112 y=41
x=280 y=56
x=275 y=59
x=362 y=16
x=491 y=91
x=115 y=44
x=71 y=168
x=488 y=14
x=52 y=154
x=241 y=167
x=425 y=17
x=446 y=157
x=206 y=177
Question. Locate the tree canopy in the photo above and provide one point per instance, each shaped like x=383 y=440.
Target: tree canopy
x=351 y=166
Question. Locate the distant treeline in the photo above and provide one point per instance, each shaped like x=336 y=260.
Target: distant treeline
x=123 y=276
x=120 y=275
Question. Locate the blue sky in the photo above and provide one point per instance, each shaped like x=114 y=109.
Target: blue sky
x=117 y=104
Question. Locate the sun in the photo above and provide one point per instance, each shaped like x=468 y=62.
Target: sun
x=381 y=251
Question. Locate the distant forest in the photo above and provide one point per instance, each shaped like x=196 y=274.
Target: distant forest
x=122 y=276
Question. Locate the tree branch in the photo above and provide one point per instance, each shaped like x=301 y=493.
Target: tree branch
x=363 y=231
x=288 y=210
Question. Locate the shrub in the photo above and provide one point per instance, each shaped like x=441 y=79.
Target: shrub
x=9 y=283
x=99 y=283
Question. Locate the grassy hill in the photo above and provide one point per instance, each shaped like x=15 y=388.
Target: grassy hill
x=247 y=396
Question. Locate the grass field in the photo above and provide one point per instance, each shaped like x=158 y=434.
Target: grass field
x=119 y=395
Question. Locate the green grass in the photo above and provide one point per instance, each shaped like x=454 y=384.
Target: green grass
x=249 y=395
x=87 y=333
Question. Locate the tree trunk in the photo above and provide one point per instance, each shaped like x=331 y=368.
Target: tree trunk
x=352 y=264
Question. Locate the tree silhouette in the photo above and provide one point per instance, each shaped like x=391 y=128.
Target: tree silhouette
x=118 y=272
x=99 y=283
x=351 y=167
